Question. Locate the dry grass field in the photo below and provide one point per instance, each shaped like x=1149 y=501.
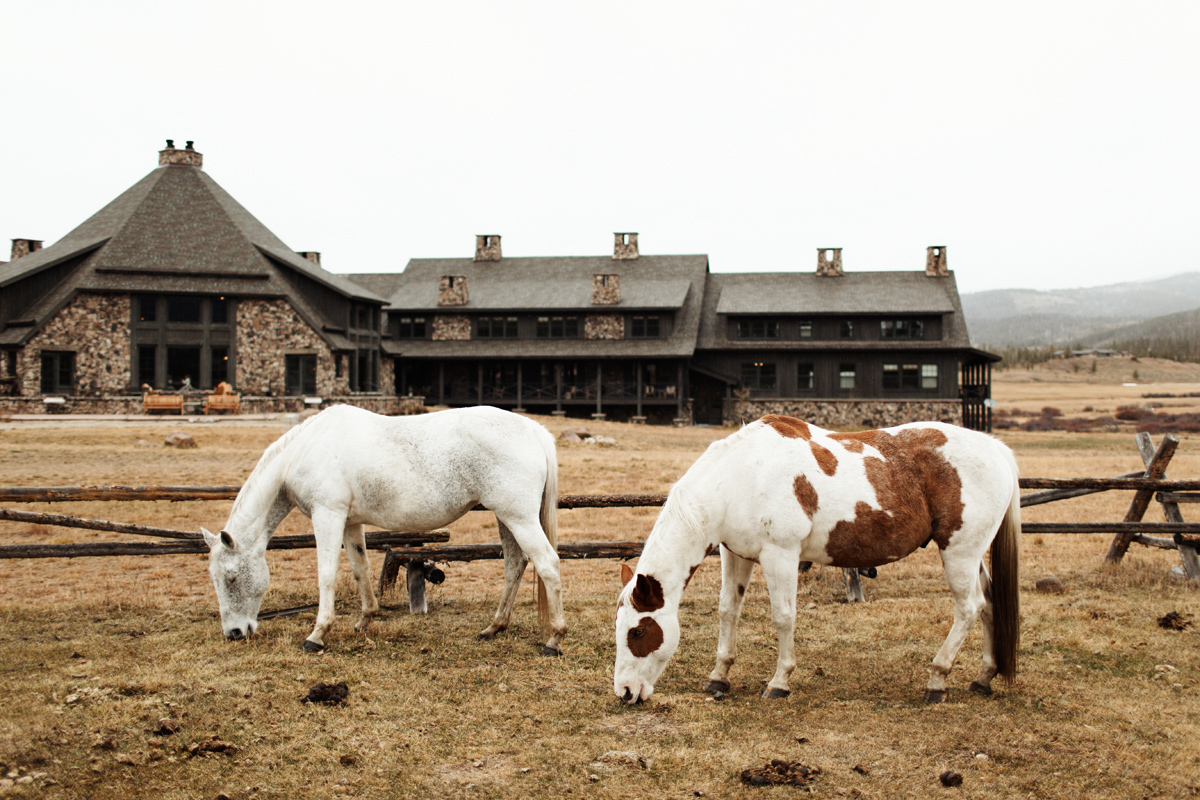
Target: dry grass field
x=117 y=681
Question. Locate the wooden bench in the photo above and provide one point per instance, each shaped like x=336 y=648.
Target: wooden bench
x=154 y=401
x=221 y=403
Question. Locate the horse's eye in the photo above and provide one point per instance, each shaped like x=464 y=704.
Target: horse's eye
x=637 y=633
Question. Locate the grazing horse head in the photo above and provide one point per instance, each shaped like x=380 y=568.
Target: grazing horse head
x=647 y=636
x=240 y=576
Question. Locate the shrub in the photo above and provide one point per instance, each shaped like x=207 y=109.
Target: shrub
x=1051 y=411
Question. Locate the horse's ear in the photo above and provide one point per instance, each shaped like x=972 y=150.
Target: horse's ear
x=647 y=594
x=227 y=540
x=210 y=538
x=626 y=574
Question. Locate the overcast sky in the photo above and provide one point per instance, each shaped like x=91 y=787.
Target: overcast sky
x=1046 y=145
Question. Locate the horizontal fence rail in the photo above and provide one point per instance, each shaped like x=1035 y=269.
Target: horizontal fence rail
x=377 y=540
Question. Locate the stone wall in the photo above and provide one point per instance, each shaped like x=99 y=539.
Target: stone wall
x=96 y=328
x=451 y=327
x=625 y=246
x=267 y=331
x=604 y=326
x=843 y=414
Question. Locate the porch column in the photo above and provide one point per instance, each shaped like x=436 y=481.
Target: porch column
x=479 y=382
x=441 y=383
x=638 y=366
x=558 y=386
x=599 y=388
x=519 y=387
x=680 y=390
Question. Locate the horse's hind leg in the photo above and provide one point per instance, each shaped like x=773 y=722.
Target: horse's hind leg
x=735 y=580
x=533 y=543
x=514 y=567
x=962 y=574
x=983 y=683
x=782 y=573
x=356 y=554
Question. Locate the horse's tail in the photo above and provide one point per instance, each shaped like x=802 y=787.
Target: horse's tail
x=549 y=517
x=1006 y=568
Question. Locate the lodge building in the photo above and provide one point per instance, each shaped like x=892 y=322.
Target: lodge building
x=176 y=286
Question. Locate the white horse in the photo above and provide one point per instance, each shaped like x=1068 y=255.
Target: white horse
x=346 y=466
x=780 y=491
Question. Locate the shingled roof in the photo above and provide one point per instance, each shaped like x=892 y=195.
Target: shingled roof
x=177 y=231
x=554 y=284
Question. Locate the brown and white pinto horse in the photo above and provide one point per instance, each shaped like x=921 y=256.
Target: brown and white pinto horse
x=780 y=491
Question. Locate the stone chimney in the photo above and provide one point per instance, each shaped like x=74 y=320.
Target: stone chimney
x=487 y=248
x=829 y=262
x=188 y=157
x=452 y=290
x=23 y=247
x=311 y=255
x=625 y=246
x=935 y=262
x=606 y=289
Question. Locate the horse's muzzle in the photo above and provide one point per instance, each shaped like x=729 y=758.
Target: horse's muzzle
x=237 y=634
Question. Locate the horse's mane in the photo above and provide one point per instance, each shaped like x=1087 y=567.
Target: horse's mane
x=250 y=489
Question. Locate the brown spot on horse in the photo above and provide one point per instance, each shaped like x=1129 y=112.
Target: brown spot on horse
x=645 y=637
x=806 y=494
x=691 y=572
x=647 y=594
x=920 y=494
x=789 y=427
x=826 y=460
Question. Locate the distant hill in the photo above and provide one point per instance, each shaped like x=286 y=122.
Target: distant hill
x=1173 y=336
x=1004 y=318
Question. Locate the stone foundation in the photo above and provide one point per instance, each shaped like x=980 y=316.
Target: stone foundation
x=844 y=414
x=132 y=404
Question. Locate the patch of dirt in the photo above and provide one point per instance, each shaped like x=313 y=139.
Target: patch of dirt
x=780 y=773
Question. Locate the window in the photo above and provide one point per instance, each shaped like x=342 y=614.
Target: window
x=147 y=308
x=300 y=374
x=558 y=327
x=847 y=376
x=806 y=329
x=412 y=328
x=147 y=355
x=496 y=328
x=58 y=373
x=804 y=377
x=183 y=367
x=220 y=313
x=645 y=328
x=901 y=329
x=183 y=308
x=757 y=329
x=901 y=376
x=846 y=329
x=220 y=365
x=759 y=376
x=910 y=376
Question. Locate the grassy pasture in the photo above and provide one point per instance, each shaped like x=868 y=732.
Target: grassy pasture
x=95 y=653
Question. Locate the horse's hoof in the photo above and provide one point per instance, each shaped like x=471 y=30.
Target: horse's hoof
x=936 y=695
x=777 y=694
x=552 y=652
x=717 y=687
x=978 y=688
x=485 y=636
x=312 y=647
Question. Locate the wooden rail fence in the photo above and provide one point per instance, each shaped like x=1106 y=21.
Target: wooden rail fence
x=1147 y=485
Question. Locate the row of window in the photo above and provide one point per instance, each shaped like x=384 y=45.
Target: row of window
x=763 y=376
x=847 y=328
x=549 y=327
x=184 y=370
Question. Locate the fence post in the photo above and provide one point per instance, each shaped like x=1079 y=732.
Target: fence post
x=1156 y=467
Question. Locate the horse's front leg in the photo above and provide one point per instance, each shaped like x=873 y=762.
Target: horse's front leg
x=735 y=580
x=514 y=567
x=329 y=529
x=355 y=545
x=781 y=570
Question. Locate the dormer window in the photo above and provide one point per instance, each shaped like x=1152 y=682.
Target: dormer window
x=645 y=328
